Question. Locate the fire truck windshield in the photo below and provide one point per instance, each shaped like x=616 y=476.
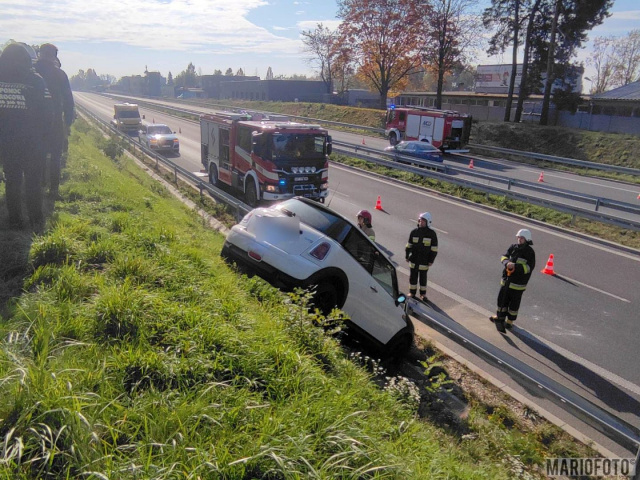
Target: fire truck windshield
x=297 y=145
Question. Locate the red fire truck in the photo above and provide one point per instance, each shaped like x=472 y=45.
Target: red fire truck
x=444 y=129
x=267 y=159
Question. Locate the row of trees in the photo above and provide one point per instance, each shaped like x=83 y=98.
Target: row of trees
x=386 y=42
x=616 y=61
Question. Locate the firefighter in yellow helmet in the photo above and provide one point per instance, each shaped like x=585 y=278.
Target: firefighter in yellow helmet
x=420 y=252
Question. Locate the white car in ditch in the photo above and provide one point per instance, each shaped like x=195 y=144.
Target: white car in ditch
x=301 y=243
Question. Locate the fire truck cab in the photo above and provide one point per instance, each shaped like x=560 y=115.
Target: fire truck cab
x=265 y=160
x=444 y=129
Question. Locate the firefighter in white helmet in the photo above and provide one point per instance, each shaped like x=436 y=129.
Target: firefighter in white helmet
x=519 y=262
x=420 y=252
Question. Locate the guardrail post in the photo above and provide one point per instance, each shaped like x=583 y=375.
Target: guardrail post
x=175 y=175
x=597 y=204
x=509 y=185
x=201 y=193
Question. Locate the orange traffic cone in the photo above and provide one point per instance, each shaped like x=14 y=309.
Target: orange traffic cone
x=548 y=269
x=541 y=177
x=363 y=141
x=639 y=196
x=471 y=163
x=378 y=204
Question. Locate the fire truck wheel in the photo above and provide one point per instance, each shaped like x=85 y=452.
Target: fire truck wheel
x=250 y=195
x=393 y=139
x=213 y=175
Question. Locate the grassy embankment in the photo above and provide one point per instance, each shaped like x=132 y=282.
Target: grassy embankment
x=130 y=350
x=607 y=148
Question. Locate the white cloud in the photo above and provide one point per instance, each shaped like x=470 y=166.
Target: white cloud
x=213 y=26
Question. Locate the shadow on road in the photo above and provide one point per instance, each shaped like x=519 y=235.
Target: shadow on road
x=609 y=393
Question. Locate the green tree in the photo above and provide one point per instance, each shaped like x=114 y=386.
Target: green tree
x=187 y=78
x=229 y=72
x=572 y=19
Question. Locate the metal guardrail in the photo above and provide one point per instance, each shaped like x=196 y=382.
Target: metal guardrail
x=554 y=159
x=617 y=430
x=622 y=433
x=240 y=208
x=444 y=173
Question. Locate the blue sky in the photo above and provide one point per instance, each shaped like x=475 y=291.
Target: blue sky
x=122 y=37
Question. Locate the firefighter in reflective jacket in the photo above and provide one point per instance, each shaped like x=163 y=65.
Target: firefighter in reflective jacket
x=420 y=252
x=519 y=262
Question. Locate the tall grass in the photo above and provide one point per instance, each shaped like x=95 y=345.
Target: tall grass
x=135 y=352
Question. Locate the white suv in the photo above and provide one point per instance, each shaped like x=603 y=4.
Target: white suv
x=301 y=243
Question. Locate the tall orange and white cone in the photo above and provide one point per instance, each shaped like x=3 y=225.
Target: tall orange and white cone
x=541 y=177
x=548 y=269
x=471 y=163
x=378 y=203
x=363 y=141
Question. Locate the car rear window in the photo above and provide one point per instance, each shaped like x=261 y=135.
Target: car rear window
x=329 y=224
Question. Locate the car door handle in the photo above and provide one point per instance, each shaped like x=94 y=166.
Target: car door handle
x=372 y=287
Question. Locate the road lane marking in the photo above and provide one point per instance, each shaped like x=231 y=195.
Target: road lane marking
x=606 y=374
x=593 y=288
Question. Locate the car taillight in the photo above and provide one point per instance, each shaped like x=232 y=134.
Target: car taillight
x=255 y=256
x=320 y=251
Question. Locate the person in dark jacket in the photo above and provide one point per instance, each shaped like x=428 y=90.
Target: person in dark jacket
x=519 y=262
x=24 y=119
x=420 y=252
x=63 y=109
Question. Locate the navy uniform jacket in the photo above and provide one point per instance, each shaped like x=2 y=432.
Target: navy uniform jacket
x=63 y=104
x=422 y=246
x=524 y=258
x=25 y=110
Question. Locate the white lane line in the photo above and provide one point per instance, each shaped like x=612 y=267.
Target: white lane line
x=504 y=218
x=606 y=374
x=594 y=288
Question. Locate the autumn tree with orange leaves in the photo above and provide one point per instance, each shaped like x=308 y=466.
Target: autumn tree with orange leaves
x=385 y=39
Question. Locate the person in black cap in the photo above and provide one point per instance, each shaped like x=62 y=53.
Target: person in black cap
x=24 y=119
x=63 y=109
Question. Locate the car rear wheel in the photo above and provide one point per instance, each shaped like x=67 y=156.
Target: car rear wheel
x=325 y=298
x=393 y=140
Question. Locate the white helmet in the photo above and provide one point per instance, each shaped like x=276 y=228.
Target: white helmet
x=526 y=234
x=427 y=217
